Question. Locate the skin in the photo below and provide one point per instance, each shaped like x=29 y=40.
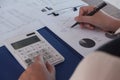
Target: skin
x=100 y=20
x=39 y=70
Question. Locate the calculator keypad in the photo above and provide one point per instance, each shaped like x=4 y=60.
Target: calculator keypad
x=49 y=54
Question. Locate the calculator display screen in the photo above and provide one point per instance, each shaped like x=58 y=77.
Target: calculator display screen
x=25 y=42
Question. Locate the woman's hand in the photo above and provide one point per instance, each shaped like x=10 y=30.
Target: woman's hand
x=101 y=19
x=39 y=70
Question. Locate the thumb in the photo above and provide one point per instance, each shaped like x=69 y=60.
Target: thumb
x=84 y=19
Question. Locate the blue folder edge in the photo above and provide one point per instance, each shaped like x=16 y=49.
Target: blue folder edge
x=10 y=69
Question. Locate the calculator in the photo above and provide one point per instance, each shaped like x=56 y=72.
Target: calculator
x=26 y=47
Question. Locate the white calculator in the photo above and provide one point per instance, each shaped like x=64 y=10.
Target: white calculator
x=26 y=47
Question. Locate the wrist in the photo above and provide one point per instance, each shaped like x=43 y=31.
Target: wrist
x=115 y=24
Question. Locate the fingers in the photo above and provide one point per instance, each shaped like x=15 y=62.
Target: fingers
x=77 y=20
x=47 y=66
x=43 y=65
x=50 y=67
x=85 y=10
x=38 y=70
x=39 y=59
x=23 y=76
x=89 y=26
x=85 y=21
x=51 y=70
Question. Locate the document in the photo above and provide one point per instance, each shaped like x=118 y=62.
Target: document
x=84 y=41
x=18 y=16
x=7 y=3
x=64 y=4
x=16 y=19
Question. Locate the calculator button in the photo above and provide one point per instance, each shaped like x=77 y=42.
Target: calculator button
x=37 y=52
x=30 y=55
x=22 y=53
x=28 y=61
x=19 y=50
x=25 y=57
x=34 y=49
x=43 y=50
x=28 y=51
x=47 y=57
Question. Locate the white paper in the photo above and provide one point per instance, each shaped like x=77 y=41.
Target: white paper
x=64 y=4
x=61 y=25
x=18 y=16
x=16 y=19
x=7 y=3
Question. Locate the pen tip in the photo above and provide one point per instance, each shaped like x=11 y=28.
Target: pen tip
x=74 y=24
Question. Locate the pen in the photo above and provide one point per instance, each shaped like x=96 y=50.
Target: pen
x=96 y=9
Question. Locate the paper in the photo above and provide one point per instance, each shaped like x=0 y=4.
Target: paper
x=7 y=3
x=18 y=16
x=16 y=19
x=63 y=4
x=83 y=41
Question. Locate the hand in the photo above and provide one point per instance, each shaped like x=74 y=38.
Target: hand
x=39 y=71
x=101 y=19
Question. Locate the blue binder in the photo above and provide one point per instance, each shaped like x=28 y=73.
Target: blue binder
x=10 y=69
